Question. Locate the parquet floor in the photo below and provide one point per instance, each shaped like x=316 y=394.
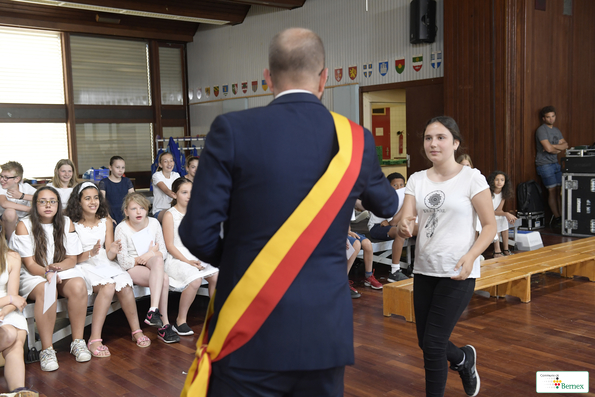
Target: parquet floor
x=555 y=331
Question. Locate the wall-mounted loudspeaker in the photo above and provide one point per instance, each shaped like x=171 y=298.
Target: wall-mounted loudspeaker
x=422 y=17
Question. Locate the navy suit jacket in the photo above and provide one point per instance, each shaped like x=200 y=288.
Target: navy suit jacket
x=257 y=166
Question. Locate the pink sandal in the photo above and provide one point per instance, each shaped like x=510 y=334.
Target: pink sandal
x=101 y=351
x=143 y=341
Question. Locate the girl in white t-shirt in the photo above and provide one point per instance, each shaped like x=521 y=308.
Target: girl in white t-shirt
x=446 y=198
x=48 y=245
x=64 y=180
x=162 y=181
x=501 y=190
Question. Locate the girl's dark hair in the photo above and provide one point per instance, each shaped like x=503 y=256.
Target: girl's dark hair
x=115 y=158
x=190 y=159
x=451 y=125
x=39 y=237
x=506 y=189
x=395 y=175
x=74 y=210
x=176 y=186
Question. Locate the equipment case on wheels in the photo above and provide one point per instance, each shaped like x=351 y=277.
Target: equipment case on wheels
x=578 y=204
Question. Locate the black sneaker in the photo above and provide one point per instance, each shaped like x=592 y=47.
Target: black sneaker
x=182 y=329
x=397 y=276
x=154 y=318
x=167 y=334
x=468 y=371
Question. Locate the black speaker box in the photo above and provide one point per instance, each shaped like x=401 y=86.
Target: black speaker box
x=422 y=17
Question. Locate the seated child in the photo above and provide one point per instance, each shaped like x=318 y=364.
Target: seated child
x=501 y=189
x=146 y=267
x=162 y=181
x=386 y=229
x=64 y=180
x=13 y=326
x=358 y=242
x=191 y=167
x=115 y=187
x=89 y=212
x=184 y=269
x=15 y=197
x=48 y=246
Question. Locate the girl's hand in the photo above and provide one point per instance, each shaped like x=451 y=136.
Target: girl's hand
x=49 y=276
x=406 y=226
x=95 y=250
x=197 y=264
x=384 y=223
x=153 y=248
x=466 y=266
x=54 y=268
x=510 y=218
x=19 y=302
x=115 y=247
x=2 y=314
x=14 y=193
x=354 y=235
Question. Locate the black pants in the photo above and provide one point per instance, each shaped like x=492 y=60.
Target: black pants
x=438 y=303
x=237 y=382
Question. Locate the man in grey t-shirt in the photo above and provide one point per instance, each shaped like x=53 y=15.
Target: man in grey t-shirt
x=550 y=142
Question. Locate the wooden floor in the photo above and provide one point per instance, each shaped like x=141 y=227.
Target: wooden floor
x=555 y=331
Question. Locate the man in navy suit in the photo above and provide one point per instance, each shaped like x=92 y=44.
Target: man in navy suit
x=258 y=165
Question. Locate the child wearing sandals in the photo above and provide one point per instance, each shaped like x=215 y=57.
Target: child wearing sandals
x=48 y=247
x=88 y=210
x=142 y=254
x=115 y=187
x=162 y=181
x=184 y=269
x=13 y=326
x=64 y=180
x=501 y=190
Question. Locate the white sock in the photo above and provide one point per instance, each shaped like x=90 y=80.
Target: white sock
x=395 y=267
x=152 y=309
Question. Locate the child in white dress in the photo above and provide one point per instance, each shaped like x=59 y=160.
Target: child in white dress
x=88 y=209
x=64 y=179
x=184 y=269
x=501 y=189
x=13 y=326
x=48 y=246
x=142 y=255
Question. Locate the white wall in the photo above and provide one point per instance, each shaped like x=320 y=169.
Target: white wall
x=352 y=36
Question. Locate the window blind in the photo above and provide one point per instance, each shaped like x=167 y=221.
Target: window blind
x=37 y=146
x=30 y=67
x=110 y=71
x=170 y=72
x=97 y=143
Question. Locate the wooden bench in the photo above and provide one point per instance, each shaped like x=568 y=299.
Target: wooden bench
x=62 y=312
x=508 y=275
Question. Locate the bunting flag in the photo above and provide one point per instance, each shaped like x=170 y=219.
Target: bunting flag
x=254 y=85
x=216 y=90
x=352 y=72
x=244 y=87
x=400 y=65
x=436 y=60
x=264 y=85
x=367 y=70
x=234 y=88
x=338 y=74
x=275 y=267
x=225 y=89
x=383 y=68
x=208 y=91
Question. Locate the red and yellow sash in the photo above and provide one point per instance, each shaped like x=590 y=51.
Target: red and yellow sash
x=279 y=262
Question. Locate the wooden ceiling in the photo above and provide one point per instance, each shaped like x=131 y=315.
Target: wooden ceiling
x=28 y=14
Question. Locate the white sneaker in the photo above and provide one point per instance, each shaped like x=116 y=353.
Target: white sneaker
x=79 y=349
x=48 y=360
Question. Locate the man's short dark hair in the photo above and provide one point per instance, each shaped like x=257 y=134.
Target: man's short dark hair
x=295 y=53
x=546 y=110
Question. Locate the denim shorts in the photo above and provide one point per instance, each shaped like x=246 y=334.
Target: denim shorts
x=551 y=174
x=352 y=239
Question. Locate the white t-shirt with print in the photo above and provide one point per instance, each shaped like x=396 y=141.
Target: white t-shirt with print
x=162 y=201
x=23 y=188
x=446 y=221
